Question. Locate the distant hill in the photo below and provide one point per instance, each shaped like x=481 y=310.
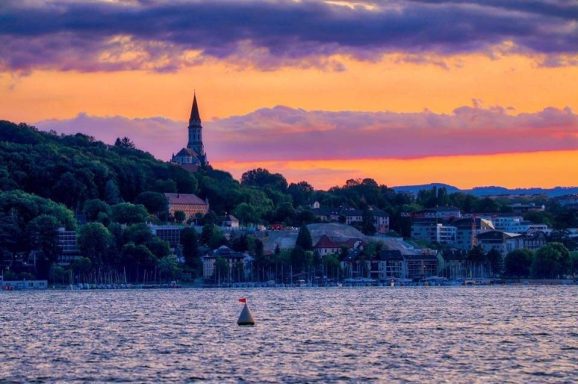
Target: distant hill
x=492 y=190
x=414 y=189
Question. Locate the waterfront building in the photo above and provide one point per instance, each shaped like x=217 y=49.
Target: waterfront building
x=170 y=234
x=421 y=266
x=193 y=155
x=455 y=264
x=68 y=246
x=23 y=284
x=388 y=264
x=535 y=240
x=327 y=246
x=238 y=265
x=188 y=203
x=468 y=229
x=431 y=231
x=393 y=264
x=503 y=242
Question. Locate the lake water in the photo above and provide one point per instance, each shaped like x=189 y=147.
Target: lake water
x=447 y=334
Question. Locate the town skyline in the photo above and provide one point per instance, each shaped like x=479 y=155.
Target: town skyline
x=405 y=96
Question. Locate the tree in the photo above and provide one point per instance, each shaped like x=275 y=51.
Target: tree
x=180 y=216
x=263 y=178
x=494 y=258
x=156 y=203
x=217 y=238
x=551 y=261
x=298 y=259
x=240 y=243
x=487 y=205
x=43 y=236
x=574 y=263
x=261 y=262
x=284 y=213
x=212 y=236
x=367 y=226
x=165 y=186
x=189 y=242
x=93 y=208
x=125 y=143
x=518 y=263
x=332 y=266
x=136 y=258
x=57 y=274
x=69 y=190
x=94 y=242
x=81 y=265
x=476 y=255
x=112 y=193
x=11 y=235
x=25 y=207
x=304 y=240
x=127 y=213
x=301 y=193
x=246 y=213
x=158 y=247
x=138 y=234
x=169 y=267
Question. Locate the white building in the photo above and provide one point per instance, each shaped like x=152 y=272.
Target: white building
x=517 y=224
x=432 y=232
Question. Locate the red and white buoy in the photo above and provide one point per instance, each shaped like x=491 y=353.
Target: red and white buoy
x=245 y=318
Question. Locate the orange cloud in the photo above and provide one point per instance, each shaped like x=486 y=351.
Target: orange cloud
x=384 y=85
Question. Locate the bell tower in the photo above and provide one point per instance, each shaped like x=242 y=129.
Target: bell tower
x=196 y=133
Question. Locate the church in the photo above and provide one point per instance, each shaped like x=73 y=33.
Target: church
x=193 y=156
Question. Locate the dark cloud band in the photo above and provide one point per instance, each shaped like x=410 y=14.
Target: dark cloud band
x=96 y=35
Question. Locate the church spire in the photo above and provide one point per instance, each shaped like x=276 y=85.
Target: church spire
x=195 y=117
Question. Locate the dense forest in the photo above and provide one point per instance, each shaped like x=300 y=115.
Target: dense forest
x=108 y=192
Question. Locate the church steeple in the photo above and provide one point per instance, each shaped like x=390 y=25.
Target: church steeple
x=196 y=133
x=195 y=116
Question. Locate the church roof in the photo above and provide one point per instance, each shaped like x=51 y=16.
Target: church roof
x=195 y=116
x=186 y=152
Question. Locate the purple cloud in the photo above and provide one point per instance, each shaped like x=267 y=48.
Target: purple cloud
x=283 y=134
x=160 y=35
x=156 y=135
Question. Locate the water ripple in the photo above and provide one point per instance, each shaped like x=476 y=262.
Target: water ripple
x=477 y=335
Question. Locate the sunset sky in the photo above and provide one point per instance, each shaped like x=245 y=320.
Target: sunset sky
x=463 y=92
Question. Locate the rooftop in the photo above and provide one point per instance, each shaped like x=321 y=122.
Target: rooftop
x=184 y=198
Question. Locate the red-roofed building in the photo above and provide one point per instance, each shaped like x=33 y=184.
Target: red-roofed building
x=327 y=246
x=188 y=203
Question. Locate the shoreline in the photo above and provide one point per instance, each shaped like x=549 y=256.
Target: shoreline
x=454 y=284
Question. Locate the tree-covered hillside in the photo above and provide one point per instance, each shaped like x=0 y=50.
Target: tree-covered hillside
x=72 y=169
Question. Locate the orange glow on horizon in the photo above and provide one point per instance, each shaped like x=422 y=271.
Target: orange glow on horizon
x=511 y=170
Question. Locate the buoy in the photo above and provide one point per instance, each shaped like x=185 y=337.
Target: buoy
x=245 y=318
